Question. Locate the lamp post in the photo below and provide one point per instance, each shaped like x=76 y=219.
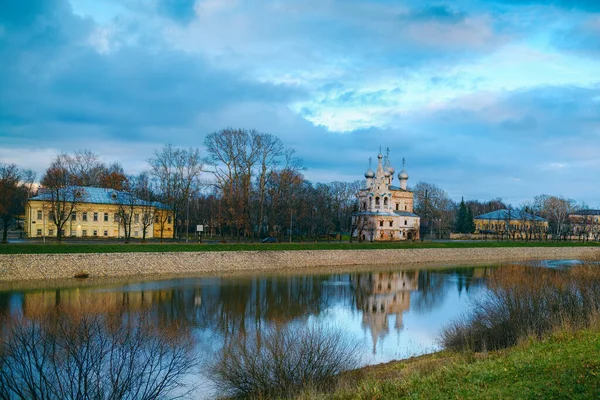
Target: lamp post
x=187 y=220
x=291 y=223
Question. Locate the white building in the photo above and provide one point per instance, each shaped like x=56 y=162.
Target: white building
x=386 y=211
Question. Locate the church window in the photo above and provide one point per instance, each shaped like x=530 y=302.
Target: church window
x=397 y=207
x=391 y=223
x=380 y=223
x=405 y=208
x=405 y=222
x=376 y=201
x=364 y=205
x=385 y=201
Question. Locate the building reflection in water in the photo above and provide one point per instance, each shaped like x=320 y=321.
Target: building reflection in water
x=380 y=295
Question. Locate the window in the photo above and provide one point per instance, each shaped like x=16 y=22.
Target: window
x=169 y=219
x=391 y=223
x=364 y=205
x=73 y=233
x=74 y=217
x=50 y=216
x=385 y=201
x=397 y=207
x=39 y=231
x=136 y=233
x=116 y=217
x=380 y=223
x=136 y=218
x=84 y=232
x=106 y=232
x=84 y=216
x=405 y=222
x=376 y=201
x=105 y=217
x=39 y=214
x=50 y=232
x=95 y=217
x=95 y=233
x=156 y=219
x=405 y=208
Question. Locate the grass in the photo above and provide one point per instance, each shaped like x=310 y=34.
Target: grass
x=564 y=365
x=58 y=248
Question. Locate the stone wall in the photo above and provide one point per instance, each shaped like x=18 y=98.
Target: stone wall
x=16 y=267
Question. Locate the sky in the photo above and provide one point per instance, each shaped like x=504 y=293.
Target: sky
x=486 y=99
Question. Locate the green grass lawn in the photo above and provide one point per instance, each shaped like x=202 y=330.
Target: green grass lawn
x=112 y=247
x=565 y=366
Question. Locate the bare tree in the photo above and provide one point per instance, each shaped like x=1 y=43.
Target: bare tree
x=557 y=210
x=144 y=191
x=115 y=356
x=60 y=193
x=270 y=149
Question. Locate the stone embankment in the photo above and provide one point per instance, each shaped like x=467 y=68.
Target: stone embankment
x=17 y=267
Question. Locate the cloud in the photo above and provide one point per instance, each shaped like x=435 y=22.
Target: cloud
x=179 y=10
x=484 y=99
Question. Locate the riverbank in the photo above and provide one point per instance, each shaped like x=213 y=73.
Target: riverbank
x=22 y=267
x=565 y=365
x=92 y=246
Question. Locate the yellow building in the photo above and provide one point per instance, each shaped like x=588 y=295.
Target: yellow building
x=510 y=223
x=97 y=212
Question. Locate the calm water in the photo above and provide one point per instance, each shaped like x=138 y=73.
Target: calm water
x=394 y=314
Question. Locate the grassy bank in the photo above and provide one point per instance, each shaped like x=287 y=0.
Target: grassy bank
x=566 y=365
x=62 y=248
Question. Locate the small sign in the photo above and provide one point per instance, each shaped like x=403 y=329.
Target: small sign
x=199 y=228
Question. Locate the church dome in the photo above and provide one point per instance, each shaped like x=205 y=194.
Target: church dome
x=387 y=173
x=403 y=174
x=369 y=174
x=391 y=170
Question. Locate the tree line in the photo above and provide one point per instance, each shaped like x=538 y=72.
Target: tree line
x=246 y=186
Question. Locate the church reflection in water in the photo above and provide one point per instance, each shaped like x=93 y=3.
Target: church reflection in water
x=379 y=295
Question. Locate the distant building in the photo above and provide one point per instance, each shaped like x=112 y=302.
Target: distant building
x=386 y=211
x=97 y=213
x=510 y=222
x=585 y=224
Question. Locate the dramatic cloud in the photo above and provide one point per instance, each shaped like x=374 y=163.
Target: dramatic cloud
x=484 y=98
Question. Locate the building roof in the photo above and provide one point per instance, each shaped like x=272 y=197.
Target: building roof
x=95 y=195
x=392 y=187
x=405 y=214
x=388 y=214
x=505 y=215
x=586 y=212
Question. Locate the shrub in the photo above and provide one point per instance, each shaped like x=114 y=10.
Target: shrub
x=63 y=355
x=282 y=362
x=527 y=301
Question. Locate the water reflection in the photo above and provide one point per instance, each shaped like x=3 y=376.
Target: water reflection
x=393 y=314
x=237 y=306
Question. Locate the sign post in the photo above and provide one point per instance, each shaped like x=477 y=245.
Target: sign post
x=199 y=230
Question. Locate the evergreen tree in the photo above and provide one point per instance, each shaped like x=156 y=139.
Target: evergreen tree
x=461 y=217
x=469 y=222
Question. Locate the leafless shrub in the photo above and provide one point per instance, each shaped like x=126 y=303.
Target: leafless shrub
x=527 y=301
x=282 y=362
x=66 y=355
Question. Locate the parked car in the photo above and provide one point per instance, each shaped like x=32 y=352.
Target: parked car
x=269 y=239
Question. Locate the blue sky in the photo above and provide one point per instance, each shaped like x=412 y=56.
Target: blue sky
x=484 y=98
